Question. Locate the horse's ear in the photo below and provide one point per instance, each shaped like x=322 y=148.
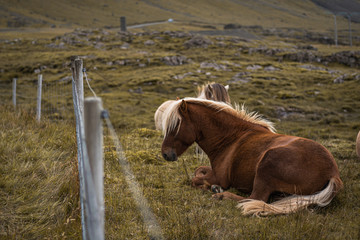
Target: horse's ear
x=183 y=107
x=177 y=98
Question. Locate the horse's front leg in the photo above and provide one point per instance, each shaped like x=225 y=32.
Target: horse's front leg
x=204 y=178
x=228 y=195
x=261 y=191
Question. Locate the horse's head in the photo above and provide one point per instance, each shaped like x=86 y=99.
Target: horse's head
x=215 y=92
x=179 y=133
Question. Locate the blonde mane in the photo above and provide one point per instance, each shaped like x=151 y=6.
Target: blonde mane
x=171 y=117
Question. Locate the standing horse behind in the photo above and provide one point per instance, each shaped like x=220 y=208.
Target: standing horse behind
x=211 y=91
x=214 y=91
x=245 y=153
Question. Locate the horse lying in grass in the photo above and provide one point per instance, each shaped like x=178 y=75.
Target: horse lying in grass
x=211 y=91
x=245 y=153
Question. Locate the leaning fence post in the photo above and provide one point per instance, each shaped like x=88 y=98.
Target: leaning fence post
x=94 y=145
x=76 y=67
x=14 y=92
x=38 y=108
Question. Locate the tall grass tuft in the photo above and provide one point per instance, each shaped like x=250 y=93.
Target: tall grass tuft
x=38 y=178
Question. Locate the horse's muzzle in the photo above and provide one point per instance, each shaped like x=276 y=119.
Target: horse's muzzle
x=171 y=156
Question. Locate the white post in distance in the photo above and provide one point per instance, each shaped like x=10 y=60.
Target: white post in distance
x=38 y=107
x=335 y=31
x=14 y=92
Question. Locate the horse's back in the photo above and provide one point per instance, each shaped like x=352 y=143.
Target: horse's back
x=301 y=165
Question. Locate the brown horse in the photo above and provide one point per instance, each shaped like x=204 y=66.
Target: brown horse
x=245 y=153
x=211 y=91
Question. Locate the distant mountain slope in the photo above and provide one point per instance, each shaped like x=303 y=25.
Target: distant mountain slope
x=342 y=7
x=305 y=14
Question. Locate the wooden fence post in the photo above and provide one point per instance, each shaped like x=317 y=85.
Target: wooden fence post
x=38 y=108
x=350 y=37
x=123 y=24
x=14 y=92
x=77 y=67
x=94 y=145
x=335 y=31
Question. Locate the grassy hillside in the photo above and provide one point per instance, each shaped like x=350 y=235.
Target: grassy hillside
x=89 y=13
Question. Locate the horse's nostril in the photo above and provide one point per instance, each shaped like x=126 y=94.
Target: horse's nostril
x=165 y=156
x=173 y=156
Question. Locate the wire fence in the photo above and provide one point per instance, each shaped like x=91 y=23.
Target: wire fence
x=63 y=100
x=56 y=97
x=91 y=209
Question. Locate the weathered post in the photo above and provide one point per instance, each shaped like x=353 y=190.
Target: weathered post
x=38 y=107
x=94 y=145
x=123 y=24
x=14 y=92
x=77 y=67
x=335 y=31
x=350 y=37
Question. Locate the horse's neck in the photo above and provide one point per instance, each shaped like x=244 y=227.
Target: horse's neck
x=217 y=131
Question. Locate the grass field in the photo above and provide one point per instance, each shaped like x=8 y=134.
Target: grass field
x=130 y=72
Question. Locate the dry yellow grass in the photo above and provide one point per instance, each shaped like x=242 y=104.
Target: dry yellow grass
x=38 y=178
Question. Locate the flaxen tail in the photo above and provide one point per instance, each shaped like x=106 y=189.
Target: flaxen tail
x=292 y=203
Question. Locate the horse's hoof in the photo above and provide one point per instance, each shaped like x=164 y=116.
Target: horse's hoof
x=218 y=196
x=216 y=189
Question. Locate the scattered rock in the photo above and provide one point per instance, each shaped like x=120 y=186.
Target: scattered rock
x=348 y=58
x=138 y=90
x=221 y=44
x=198 y=41
x=254 y=67
x=241 y=77
x=149 y=42
x=175 y=60
x=312 y=67
x=182 y=76
x=307 y=47
x=289 y=113
x=99 y=45
x=217 y=67
x=271 y=68
x=340 y=79
x=121 y=62
x=125 y=46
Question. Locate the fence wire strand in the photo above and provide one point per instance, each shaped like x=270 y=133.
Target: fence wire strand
x=147 y=215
